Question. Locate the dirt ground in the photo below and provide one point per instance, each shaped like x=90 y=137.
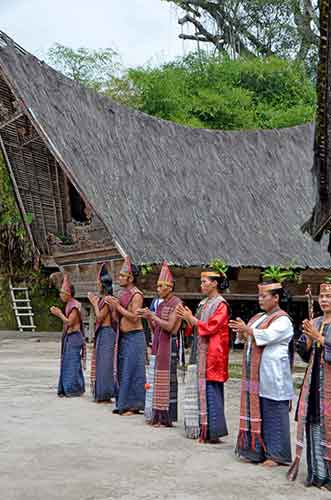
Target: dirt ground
x=73 y=449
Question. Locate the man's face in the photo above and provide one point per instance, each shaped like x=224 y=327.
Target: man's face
x=207 y=285
x=163 y=290
x=64 y=297
x=124 y=280
x=267 y=301
x=324 y=301
x=99 y=286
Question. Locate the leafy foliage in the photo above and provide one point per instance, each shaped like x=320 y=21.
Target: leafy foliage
x=219 y=266
x=279 y=274
x=15 y=247
x=145 y=270
x=218 y=93
x=93 y=68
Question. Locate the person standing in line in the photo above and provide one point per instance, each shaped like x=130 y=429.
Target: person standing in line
x=102 y=360
x=267 y=385
x=204 y=416
x=130 y=345
x=314 y=406
x=73 y=347
x=165 y=325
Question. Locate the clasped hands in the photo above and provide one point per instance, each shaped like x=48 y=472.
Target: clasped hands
x=240 y=327
x=311 y=331
x=145 y=313
x=182 y=312
x=185 y=313
x=112 y=301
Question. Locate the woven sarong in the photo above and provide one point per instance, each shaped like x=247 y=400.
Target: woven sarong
x=104 y=387
x=71 y=381
x=191 y=403
x=165 y=377
x=125 y=299
x=150 y=371
x=250 y=429
x=217 y=427
x=131 y=372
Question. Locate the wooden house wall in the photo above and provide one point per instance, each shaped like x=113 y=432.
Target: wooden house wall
x=243 y=286
x=40 y=181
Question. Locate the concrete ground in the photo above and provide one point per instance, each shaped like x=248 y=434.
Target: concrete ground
x=73 y=449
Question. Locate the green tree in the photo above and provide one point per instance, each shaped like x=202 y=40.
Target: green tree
x=286 y=28
x=93 y=68
x=217 y=92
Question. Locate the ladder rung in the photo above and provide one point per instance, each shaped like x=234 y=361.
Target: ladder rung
x=21 y=300
x=28 y=326
x=25 y=314
x=19 y=289
x=16 y=308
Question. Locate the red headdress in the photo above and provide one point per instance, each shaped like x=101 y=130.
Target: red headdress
x=127 y=267
x=166 y=277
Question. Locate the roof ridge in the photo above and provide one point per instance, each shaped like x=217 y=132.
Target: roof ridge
x=7 y=41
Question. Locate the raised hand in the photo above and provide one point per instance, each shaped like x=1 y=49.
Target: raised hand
x=93 y=298
x=112 y=301
x=56 y=311
x=184 y=313
x=311 y=331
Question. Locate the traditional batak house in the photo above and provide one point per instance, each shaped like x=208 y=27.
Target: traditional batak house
x=102 y=181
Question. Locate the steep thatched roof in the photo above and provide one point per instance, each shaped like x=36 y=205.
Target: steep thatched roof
x=169 y=192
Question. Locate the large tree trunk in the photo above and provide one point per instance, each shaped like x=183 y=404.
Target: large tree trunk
x=321 y=218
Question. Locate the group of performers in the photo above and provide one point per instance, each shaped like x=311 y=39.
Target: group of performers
x=120 y=367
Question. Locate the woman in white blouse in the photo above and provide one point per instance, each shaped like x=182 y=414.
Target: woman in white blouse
x=267 y=385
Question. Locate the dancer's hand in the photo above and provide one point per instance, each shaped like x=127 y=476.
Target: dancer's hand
x=94 y=299
x=186 y=314
x=56 y=311
x=311 y=331
x=145 y=313
x=239 y=326
x=112 y=301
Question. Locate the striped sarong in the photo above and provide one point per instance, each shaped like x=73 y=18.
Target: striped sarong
x=150 y=370
x=165 y=373
x=318 y=473
x=191 y=403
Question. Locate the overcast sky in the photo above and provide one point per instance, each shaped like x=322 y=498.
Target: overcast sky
x=140 y=30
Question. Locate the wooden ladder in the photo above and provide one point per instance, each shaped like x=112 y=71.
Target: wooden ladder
x=22 y=308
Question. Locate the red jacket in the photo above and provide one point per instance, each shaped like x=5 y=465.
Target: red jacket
x=217 y=331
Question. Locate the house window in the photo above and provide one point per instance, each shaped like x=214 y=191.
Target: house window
x=79 y=210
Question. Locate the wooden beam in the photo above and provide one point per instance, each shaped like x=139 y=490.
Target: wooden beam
x=11 y=120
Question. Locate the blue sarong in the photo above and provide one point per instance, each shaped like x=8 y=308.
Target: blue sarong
x=275 y=434
x=215 y=410
x=104 y=388
x=71 y=382
x=131 y=372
